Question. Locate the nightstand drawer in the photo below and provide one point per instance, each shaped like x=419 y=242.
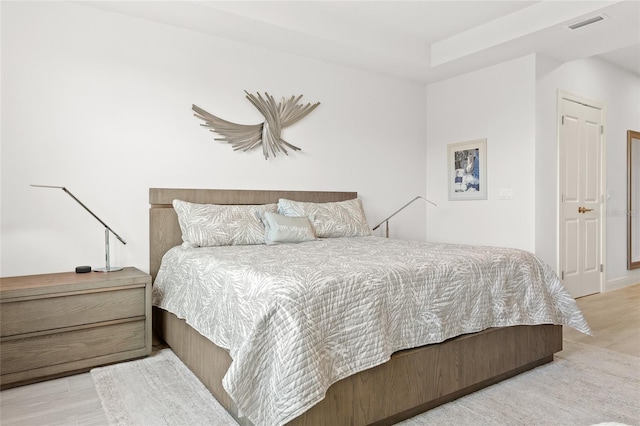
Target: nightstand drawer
x=27 y=316
x=58 y=324
x=30 y=353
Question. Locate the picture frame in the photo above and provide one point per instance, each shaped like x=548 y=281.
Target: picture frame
x=467 y=170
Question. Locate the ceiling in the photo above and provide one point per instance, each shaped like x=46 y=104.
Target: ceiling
x=423 y=41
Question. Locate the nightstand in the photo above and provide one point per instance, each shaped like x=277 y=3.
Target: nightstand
x=53 y=325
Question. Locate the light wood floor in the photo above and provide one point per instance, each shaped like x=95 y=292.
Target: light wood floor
x=614 y=318
x=70 y=400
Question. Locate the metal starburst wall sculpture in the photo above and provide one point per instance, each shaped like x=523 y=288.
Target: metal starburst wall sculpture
x=248 y=136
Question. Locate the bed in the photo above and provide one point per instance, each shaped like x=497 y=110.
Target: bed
x=413 y=380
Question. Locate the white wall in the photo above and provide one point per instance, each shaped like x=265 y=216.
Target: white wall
x=514 y=106
x=620 y=91
x=496 y=103
x=101 y=103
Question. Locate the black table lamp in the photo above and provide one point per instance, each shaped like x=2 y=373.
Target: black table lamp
x=107 y=229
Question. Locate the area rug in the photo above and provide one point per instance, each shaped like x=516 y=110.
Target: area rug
x=584 y=385
x=157 y=390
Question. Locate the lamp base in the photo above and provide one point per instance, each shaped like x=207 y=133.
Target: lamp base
x=109 y=269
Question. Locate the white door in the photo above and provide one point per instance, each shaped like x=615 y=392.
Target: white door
x=581 y=146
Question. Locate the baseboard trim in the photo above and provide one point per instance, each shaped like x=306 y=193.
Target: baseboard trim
x=619 y=283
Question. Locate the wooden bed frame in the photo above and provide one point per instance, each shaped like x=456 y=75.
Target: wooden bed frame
x=413 y=381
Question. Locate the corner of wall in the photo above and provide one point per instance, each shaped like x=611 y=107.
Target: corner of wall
x=622 y=282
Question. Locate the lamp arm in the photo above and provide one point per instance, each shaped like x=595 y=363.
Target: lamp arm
x=402 y=208
x=86 y=208
x=94 y=215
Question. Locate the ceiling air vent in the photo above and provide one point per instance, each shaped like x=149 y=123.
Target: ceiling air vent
x=586 y=22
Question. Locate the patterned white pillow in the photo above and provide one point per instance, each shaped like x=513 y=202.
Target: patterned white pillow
x=285 y=229
x=330 y=220
x=206 y=225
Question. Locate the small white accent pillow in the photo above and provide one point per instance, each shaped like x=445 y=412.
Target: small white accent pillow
x=330 y=220
x=285 y=229
x=207 y=225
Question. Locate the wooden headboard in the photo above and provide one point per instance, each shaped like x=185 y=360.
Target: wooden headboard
x=164 y=230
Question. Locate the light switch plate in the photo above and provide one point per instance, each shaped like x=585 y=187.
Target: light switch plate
x=505 y=193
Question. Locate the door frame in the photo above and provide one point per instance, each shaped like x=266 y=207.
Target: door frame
x=603 y=182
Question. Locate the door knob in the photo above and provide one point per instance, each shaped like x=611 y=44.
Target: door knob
x=584 y=210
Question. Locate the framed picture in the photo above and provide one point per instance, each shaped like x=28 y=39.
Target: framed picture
x=467 y=170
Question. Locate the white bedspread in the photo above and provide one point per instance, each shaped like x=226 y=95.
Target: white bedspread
x=297 y=318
